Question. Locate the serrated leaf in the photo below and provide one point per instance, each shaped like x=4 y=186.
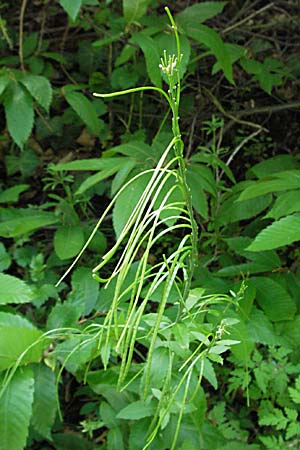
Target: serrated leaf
x=39 y=88
x=15 y=222
x=136 y=410
x=14 y=290
x=44 y=401
x=68 y=241
x=122 y=175
x=12 y=194
x=273 y=299
x=85 y=109
x=134 y=9
x=15 y=410
x=151 y=54
x=281 y=181
x=19 y=341
x=282 y=232
x=286 y=203
x=71 y=7
x=19 y=113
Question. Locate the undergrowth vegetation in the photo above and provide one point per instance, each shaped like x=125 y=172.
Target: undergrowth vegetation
x=150 y=216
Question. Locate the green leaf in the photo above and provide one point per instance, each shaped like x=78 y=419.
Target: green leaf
x=151 y=54
x=281 y=181
x=273 y=299
x=192 y=16
x=12 y=194
x=136 y=410
x=44 y=401
x=68 y=241
x=85 y=289
x=286 y=203
x=115 y=439
x=124 y=77
x=15 y=222
x=127 y=200
x=4 y=82
x=15 y=410
x=282 y=232
x=71 y=7
x=39 y=88
x=85 y=109
x=14 y=290
x=19 y=113
x=64 y=315
x=273 y=165
x=134 y=9
x=212 y=40
x=91 y=164
x=19 y=341
x=110 y=170
x=5 y=260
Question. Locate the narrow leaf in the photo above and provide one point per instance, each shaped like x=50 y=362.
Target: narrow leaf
x=19 y=113
x=15 y=410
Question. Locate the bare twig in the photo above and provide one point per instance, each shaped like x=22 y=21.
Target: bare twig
x=246 y=19
x=21 y=27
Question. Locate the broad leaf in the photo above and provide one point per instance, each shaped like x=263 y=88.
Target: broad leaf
x=44 y=401
x=137 y=410
x=15 y=410
x=286 y=203
x=68 y=241
x=84 y=289
x=134 y=9
x=127 y=200
x=4 y=82
x=115 y=439
x=12 y=194
x=232 y=210
x=282 y=232
x=193 y=15
x=71 y=7
x=84 y=108
x=15 y=222
x=19 y=113
x=212 y=40
x=39 y=88
x=14 y=290
x=19 y=341
x=273 y=299
x=151 y=54
x=281 y=181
